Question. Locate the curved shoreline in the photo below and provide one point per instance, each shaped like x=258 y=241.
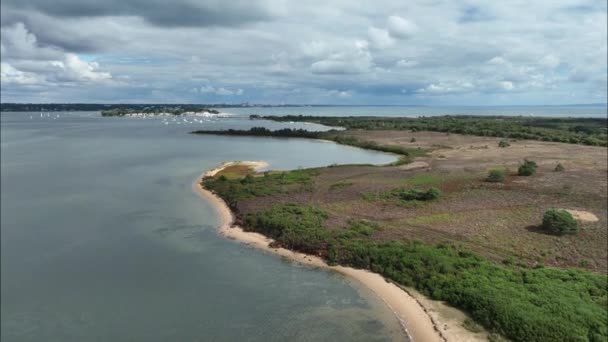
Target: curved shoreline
x=415 y=318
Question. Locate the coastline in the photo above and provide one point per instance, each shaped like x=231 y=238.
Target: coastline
x=418 y=316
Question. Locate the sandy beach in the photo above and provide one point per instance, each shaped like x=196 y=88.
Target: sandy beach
x=421 y=318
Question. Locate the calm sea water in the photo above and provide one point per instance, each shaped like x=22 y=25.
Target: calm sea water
x=102 y=239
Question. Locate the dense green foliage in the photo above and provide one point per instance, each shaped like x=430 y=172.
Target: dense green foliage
x=416 y=194
x=496 y=176
x=265 y=132
x=528 y=168
x=588 y=131
x=233 y=190
x=542 y=304
x=292 y=226
x=559 y=221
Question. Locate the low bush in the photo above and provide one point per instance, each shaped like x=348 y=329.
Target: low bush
x=559 y=221
x=417 y=194
x=496 y=176
x=559 y=168
x=504 y=143
x=528 y=168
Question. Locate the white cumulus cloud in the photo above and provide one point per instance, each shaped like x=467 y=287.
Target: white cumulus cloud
x=400 y=27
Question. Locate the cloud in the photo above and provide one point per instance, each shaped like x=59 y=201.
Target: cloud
x=401 y=28
x=498 y=60
x=75 y=69
x=8 y=74
x=353 y=59
x=380 y=38
x=342 y=94
x=315 y=49
x=388 y=51
x=443 y=88
x=507 y=85
x=403 y=63
x=18 y=42
x=207 y=89
x=182 y=13
x=550 y=61
x=29 y=63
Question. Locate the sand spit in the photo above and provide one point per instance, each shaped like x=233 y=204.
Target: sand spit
x=421 y=318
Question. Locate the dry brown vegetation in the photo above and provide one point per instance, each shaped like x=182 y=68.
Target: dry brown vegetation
x=497 y=220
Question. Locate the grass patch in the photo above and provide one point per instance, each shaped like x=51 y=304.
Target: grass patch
x=421 y=179
x=429 y=219
x=235 y=171
x=340 y=185
x=238 y=188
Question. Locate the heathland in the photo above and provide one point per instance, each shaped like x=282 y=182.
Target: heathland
x=459 y=217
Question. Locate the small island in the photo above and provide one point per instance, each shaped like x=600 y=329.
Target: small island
x=503 y=218
x=159 y=110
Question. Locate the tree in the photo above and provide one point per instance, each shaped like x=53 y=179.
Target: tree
x=559 y=221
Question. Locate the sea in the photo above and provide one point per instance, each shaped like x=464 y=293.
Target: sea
x=102 y=238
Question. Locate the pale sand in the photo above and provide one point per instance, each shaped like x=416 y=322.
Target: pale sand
x=583 y=215
x=414 y=165
x=432 y=322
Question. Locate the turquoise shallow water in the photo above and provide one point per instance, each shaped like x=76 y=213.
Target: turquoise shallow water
x=102 y=239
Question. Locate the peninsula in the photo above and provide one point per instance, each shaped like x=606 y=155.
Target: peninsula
x=511 y=231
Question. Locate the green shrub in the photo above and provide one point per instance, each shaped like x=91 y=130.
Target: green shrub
x=248 y=179
x=541 y=304
x=413 y=140
x=559 y=221
x=362 y=227
x=528 y=168
x=292 y=226
x=496 y=176
x=504 y=143
x=559 y=168
x=417 y=194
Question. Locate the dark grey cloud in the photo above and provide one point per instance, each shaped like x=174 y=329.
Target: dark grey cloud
x=177 y=13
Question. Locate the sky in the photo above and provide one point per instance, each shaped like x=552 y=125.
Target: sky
x=422 y=52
